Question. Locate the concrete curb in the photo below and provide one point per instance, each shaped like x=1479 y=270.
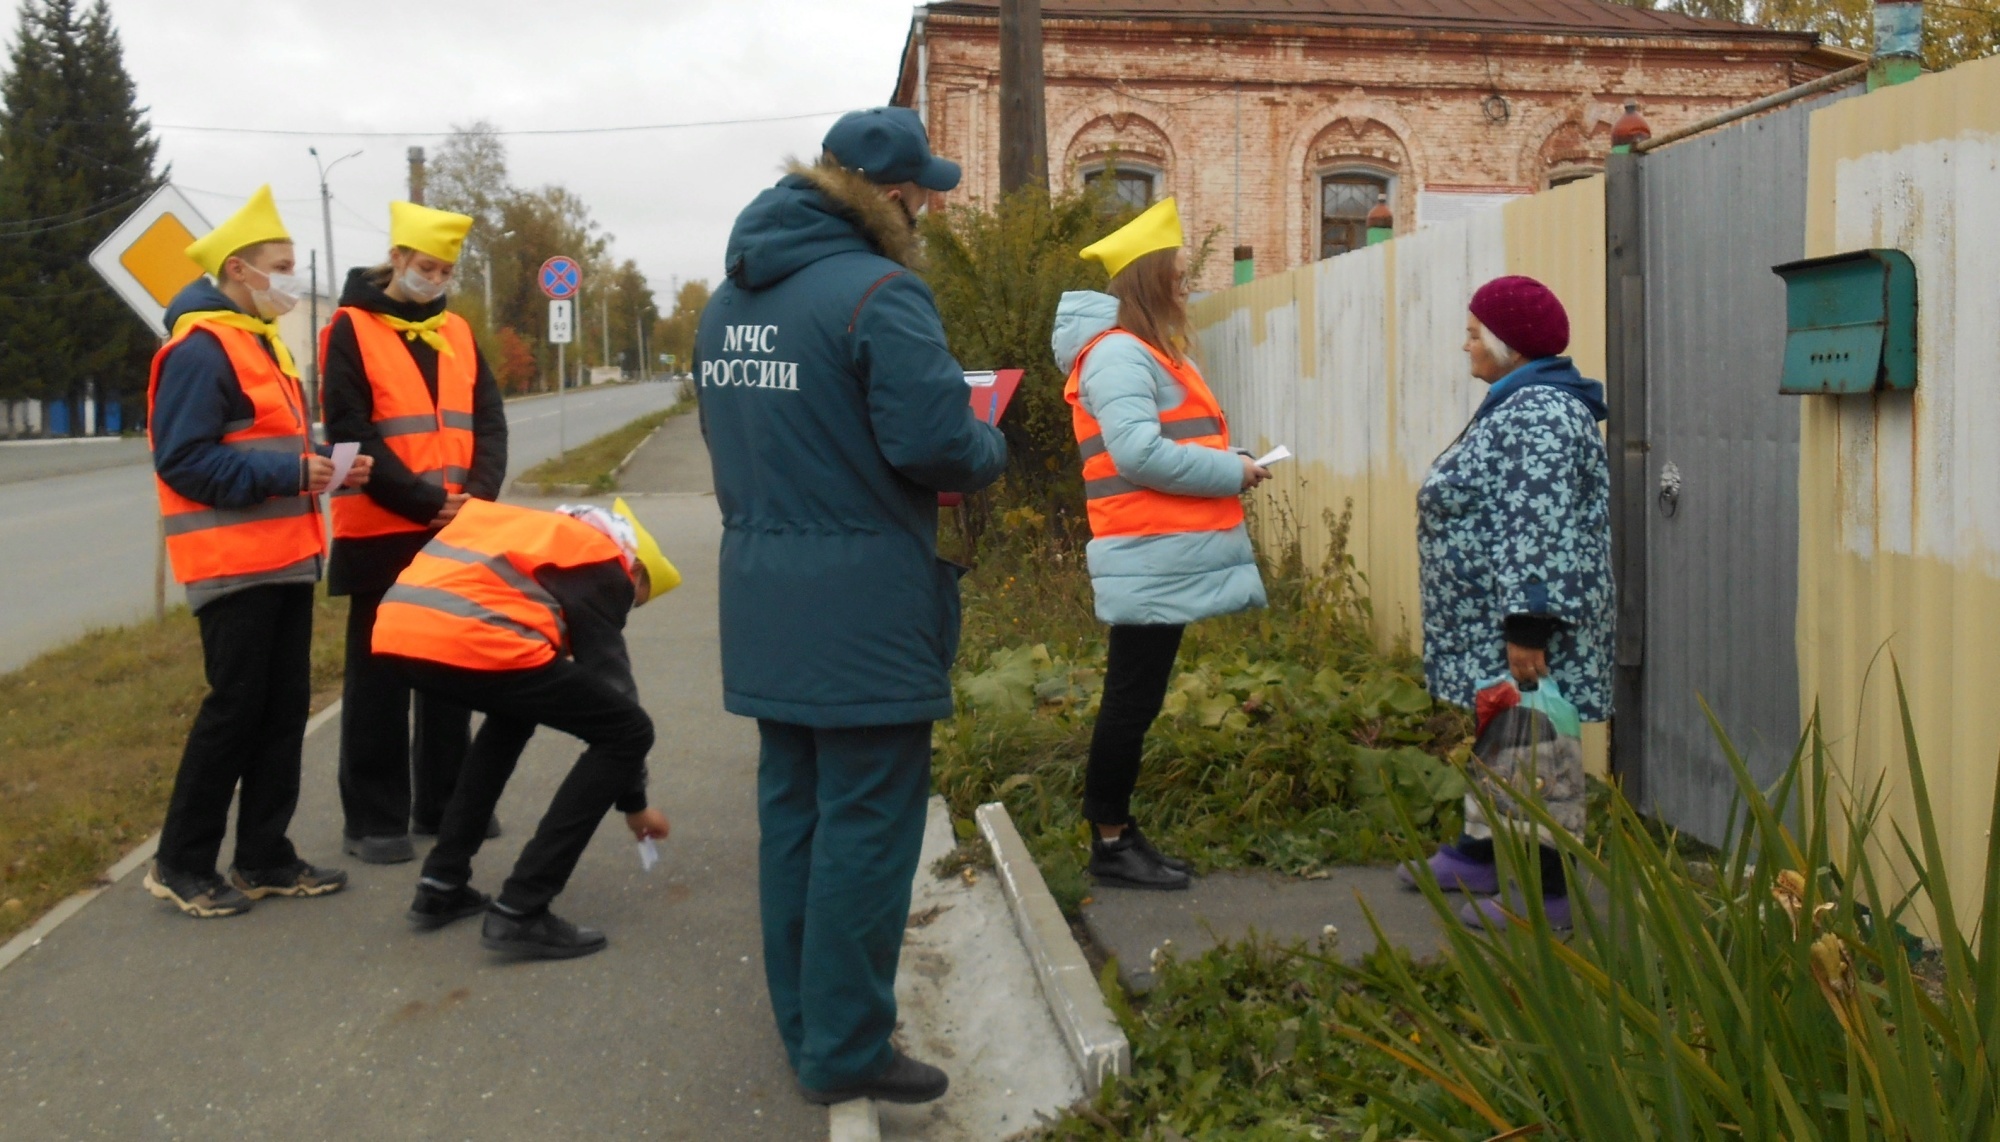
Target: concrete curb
x=1094 y=1038
x=138 y=858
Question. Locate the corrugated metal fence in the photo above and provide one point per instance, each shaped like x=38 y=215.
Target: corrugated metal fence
x=1807 y=533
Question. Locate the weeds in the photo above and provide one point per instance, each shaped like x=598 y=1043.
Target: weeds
x=1240 y=1043
x=1285 y=735
x=1771 y=994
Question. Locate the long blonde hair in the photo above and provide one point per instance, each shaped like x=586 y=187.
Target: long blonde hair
x=1151 y=305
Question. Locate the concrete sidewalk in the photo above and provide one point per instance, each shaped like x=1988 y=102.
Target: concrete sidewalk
x=331 y=1019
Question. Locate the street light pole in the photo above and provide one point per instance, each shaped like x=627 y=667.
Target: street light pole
x=326 y=214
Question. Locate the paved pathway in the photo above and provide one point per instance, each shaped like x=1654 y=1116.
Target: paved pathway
x=331 y=1019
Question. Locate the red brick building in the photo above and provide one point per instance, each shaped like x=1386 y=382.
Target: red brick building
x=1277 y=122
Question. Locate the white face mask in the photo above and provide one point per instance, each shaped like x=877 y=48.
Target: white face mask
x=420 y=288
x=280 y=295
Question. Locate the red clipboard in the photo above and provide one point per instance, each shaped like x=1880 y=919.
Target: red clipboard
x=992 y=390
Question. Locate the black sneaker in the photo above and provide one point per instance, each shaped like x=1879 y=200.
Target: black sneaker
x=435 y=907
x=203 y=895
x=492 y=828
x=906 y=1080
x=544 y=935
x=295 y=879
x=380 y=850
x=1124 y=863
x=1146 y=846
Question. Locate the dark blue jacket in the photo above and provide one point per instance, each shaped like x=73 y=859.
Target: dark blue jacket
x=198 y=395
x=834 y=415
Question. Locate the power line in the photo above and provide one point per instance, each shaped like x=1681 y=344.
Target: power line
x=115 y=205
x=71 y=217
x=287 y=131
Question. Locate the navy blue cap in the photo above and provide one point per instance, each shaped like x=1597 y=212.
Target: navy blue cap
x=888 y=144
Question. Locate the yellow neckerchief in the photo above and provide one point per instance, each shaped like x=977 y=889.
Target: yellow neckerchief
x=235 y=319
x=426 y=329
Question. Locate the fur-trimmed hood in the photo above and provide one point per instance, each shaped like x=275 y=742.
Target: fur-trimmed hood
x=815 y=212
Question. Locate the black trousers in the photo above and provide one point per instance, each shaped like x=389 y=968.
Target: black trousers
x=256 y=648
x=385 y=782
x=1140 y=665
x=617 y=735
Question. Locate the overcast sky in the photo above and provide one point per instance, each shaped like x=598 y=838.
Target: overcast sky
x=423 y=65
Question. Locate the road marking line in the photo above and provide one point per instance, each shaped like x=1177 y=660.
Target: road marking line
x=138 y=858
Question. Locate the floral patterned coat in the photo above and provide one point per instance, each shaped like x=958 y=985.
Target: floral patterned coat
x=1515 y=518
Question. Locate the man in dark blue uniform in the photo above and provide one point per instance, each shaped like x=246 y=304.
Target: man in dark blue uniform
x=834 y=415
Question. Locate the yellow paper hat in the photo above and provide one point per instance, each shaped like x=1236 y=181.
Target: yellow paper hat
x=1159 y=228
x=662 y=572
x=438 y=233
x=257 y=221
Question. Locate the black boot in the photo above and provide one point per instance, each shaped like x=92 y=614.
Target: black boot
x=906 y=1080
x=436 y=906
x=544 y=935
x=1146 y=846
x=1128 y=863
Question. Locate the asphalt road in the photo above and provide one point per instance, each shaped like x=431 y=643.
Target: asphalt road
x=80 y=545
x=331 y=1019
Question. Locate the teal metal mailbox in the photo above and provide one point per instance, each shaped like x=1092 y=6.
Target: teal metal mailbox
x=1851 y=323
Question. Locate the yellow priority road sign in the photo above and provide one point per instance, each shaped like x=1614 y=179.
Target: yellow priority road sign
x=145 y=259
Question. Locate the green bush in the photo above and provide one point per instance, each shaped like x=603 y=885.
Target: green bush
x=998 y=274
x=1773 y=994
x=1285 y=739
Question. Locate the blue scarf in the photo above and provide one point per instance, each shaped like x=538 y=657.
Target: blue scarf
x=1554 y=372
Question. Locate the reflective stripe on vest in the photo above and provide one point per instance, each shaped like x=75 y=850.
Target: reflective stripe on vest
x=470 y=598
x=1119 y=507
x=216 y=549
x=433 y=439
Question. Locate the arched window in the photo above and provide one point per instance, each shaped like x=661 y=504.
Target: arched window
x=1345 y=198
x=1563 y=176
x=1134 y=184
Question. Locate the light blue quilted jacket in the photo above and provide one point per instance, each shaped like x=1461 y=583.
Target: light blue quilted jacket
x=1153 y=578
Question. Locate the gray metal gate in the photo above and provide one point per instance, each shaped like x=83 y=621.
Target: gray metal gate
x=1706 y=461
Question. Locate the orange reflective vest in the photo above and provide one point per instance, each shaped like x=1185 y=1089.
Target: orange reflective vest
x=433 y=439
x=1118 y=506
x=215 y=548
x=469 y=599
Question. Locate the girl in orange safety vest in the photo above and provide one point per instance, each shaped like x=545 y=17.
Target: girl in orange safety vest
x=1161 y=486
x=404 y=379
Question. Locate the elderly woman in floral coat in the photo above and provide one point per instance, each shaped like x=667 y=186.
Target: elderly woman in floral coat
x=1514 y=554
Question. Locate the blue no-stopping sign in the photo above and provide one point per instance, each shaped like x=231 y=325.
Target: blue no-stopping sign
x=561 y=277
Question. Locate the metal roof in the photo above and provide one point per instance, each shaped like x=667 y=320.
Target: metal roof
x=1547 y=17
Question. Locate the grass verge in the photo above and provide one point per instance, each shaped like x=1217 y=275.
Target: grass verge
x=90 y=736
x=595 y=465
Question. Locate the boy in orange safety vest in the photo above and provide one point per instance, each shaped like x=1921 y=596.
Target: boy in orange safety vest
x=520 y=614
x=239 y=481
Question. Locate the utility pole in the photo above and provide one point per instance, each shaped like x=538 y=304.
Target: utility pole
x=639 y=342
x=326 y=213
x=312 y=334
x=1024 y=123
x=416 y=157
x=604 y=319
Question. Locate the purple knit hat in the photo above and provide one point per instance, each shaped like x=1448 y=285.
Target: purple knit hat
x=1525 y=314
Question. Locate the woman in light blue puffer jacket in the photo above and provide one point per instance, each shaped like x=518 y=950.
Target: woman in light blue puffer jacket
x=1162 y=434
